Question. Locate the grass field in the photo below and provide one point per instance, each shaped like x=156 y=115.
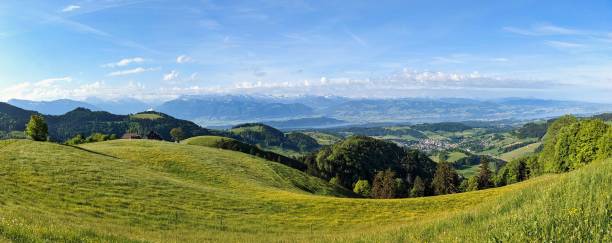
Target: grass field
x=473 y=170
x=146 y=116
x=519 y=152
x=452 y=157
x=324 y=138
x=149 y=191
x=206 y=141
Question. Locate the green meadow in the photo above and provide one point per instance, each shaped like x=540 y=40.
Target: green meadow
x=150 y=191
x=520 y=152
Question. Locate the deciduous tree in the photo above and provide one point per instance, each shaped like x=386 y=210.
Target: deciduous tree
x=177 y=134
x=37 y=128
x=362 y=187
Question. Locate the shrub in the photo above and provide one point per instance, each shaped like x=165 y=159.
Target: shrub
x=362 y=187
x=78 y=139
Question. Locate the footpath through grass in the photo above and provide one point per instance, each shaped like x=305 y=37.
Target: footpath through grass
x=148 y=191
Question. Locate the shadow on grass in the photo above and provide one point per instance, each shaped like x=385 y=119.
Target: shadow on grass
x=91 y=151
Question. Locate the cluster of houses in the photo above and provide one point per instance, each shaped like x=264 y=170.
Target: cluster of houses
x=151 y=135
x=427 y=144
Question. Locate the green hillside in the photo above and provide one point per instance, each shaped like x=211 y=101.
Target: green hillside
x=235 y=145
x=149 y=191
x=519 y=152
x=85 y=122
x=208 y=141
x=273 y=139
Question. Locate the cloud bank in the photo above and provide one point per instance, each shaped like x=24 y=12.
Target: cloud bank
x=404 y=83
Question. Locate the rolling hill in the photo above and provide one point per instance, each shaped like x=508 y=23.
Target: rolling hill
x=273 y=139
x=235 y=145
x=13 y=118
x=150 y=191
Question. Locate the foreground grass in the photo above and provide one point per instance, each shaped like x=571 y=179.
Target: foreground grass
x=572 y=207
x=143 y=191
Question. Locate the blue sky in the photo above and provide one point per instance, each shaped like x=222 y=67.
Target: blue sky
x=158 y=50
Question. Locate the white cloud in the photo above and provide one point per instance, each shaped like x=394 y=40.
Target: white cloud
x=171 y=75
x=183 y=59
x=52 y=81
x=394 y=84
x=564 y=45
x=500 y=59
x=356 y=38
x=46 y=88
x=70 y=8
x=130 y=71
x=544 y=29
x=403 y=83
x=124 y=62
x=193 y=76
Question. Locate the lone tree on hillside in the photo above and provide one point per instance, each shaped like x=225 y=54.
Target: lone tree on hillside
x=384 y=185
x=484 y=175
x=177 y=134
x=446 y=179
x=37 y=128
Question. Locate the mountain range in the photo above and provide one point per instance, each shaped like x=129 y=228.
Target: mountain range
x=223 y=110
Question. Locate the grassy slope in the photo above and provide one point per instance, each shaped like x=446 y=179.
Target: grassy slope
x=156 y=191
x=519 y=152
x=148 y=116
x=206 y=141
x=452 y=157
x=324 y=138
x=473 y=170
x=571 y=207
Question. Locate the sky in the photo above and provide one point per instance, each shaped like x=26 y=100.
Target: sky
x=160 y=50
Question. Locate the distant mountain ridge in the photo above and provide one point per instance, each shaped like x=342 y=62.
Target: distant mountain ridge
x=306 y=111
x=202 y=109
x=54 y=107
x=310 y=122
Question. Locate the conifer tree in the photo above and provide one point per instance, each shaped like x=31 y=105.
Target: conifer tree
x=384 y=185
x=484 y=175
x=418 y=189
x=446 y=179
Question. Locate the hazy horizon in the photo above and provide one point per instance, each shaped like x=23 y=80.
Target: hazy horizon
x=160 y=50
